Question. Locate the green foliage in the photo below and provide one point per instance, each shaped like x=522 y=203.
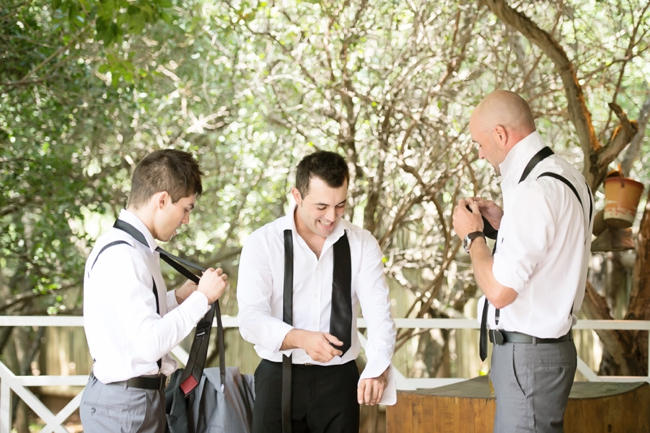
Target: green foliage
x=88 y=87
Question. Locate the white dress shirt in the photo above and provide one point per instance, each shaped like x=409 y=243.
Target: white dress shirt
x=125 y=335
x=543 y=246
x=260 y=295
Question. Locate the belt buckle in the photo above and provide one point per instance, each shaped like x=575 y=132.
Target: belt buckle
x=497 y=337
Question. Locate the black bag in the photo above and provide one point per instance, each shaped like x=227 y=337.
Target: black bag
x=213 y=400
x=216 y=399
x=211 y=407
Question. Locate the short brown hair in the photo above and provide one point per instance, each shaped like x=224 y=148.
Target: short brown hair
x=329 y=166
x=170 y=170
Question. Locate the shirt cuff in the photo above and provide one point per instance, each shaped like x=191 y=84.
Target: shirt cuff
x=374 y=368
x=390 y=393
x=197 y=304
x=282 y=334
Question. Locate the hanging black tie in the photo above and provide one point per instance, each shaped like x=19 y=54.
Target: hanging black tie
x=341 y=312
x=482 y=341
x=287 y=317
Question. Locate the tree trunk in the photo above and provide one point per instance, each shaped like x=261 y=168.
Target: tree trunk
x=623 y=350
x=626 y=352
x=639 y=307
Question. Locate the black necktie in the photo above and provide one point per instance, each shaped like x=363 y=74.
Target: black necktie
x=341 y=313
x=341 y=309
x=287 y=317
x=198 y=352
x=482 y=341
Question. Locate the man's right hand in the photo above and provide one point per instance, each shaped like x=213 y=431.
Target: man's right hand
x=213 y=283
x=318 y=345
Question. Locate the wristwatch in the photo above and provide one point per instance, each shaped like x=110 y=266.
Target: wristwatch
x=467 y=240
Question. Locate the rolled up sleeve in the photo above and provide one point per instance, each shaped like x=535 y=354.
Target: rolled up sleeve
x=524 y=237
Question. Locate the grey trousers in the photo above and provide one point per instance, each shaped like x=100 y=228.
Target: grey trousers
x=113 y=408
x=532 y=384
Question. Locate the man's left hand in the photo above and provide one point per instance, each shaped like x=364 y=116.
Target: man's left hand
x=371 y=390
x=184 y=291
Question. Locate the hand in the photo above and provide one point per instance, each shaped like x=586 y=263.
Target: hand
x=185 y=290
x=466 y=221
x=490 y=211
x=213 y=283
x=318 y=345
x=372 y=389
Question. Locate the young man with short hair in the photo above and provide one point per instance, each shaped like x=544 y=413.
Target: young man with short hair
x=131 y=320
x=337 y=266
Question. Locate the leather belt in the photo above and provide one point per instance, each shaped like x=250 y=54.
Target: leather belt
x=156 y=381
x=498 y=336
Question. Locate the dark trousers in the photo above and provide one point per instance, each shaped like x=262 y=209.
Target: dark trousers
x=324 y=399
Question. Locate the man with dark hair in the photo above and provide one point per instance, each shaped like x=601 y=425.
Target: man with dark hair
x=534 y=281
x=131 y=320
x=301 y=280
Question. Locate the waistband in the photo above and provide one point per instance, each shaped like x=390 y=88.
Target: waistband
x=154 y=381
x=306 y=365
x=498 y=336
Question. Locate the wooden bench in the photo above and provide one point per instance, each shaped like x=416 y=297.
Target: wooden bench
x=468 y=407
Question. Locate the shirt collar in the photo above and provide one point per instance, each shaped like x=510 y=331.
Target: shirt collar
x=516 y=160
x=131 y=218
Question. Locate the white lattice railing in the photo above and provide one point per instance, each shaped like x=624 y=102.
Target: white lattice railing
x=54 y=422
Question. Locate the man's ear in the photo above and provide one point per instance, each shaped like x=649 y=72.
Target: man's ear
x=500 y=135
x=296 y=195
x=160 y=199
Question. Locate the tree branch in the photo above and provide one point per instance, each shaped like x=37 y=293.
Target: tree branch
x=620 y=138
x=578 y=112
x=632 y=152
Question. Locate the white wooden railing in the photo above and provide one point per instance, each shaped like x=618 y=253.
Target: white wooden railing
x=54 y=422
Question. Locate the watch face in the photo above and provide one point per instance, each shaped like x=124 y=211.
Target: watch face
x=467 y=240
x=466 y=243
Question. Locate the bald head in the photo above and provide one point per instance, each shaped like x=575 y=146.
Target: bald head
x=498 y=123
x=507 y=109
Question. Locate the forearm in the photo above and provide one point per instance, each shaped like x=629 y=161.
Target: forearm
x=482 y=261
x=293 y=340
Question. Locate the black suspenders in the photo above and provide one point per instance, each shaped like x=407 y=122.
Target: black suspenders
x=536 y=159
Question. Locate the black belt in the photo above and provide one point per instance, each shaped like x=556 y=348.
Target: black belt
x=156 y=381
x=498 y=336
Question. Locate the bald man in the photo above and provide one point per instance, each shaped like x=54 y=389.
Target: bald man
x=533 y=281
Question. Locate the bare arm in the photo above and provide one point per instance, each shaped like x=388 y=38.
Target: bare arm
x=465 y=222
x=498 y=294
